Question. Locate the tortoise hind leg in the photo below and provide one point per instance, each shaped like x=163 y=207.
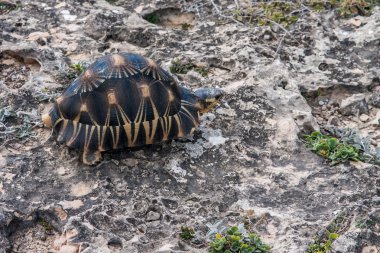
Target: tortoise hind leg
x=91 y=157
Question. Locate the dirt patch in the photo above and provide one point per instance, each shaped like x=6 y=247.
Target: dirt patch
x=15 y=70
x=171 y=17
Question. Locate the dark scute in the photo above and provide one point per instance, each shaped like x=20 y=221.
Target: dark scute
x=187 y=121
x=72 y=88
x=85 y=118
x=149 y=112
x=99 y=65
x=165 y=74
x=141 y=140
x=175 y=106
x=79 y=140
x=159 y=133
x=123 y=140
x=127 y=95
x=115 y=119
x=54 y=114
x=159 y=95
x=65 y=133
x=97 y=106
x=187 y=124
x=93 y=142
x=70 y=106
x=174 y=129
x=137 y=61
x=108 y=143
x=96 y=103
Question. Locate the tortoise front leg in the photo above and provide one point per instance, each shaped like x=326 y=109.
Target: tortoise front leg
x=91 y=157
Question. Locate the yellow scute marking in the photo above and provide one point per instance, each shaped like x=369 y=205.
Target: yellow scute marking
x=171 y=96
x=118 y=60
x=83 y=108
x=111 y=98
x=87 y=74
x=151 y=63
x=150 y=136
x=145 y=92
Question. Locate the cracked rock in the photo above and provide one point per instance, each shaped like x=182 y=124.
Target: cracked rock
x=354 y=105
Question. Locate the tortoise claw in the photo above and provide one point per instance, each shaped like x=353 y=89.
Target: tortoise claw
x=90 y=157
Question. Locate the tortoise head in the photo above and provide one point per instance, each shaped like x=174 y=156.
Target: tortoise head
x=209 y=98
x=46 y=119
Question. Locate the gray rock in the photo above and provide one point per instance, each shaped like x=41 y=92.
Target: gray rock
x=153 y=216
x=376 y=200
x=306 y=122
x=4 y=244
x=334 y=121
x=193 y=77
x=68 y=249
x=374 y=99
x=354 y=105
x=364 y=117
x=347 y=243
x=375 y=214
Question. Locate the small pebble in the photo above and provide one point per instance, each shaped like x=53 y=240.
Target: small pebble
x=142 y=228
x=376 y=200
x=267 y=37
x=69 y=249
x=130 y=162
x=152 y=216
x=333 y=120
x=319 y=120
x=364 y=117
x=321 y=102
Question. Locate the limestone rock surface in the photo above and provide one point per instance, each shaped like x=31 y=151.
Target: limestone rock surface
x=247 y=160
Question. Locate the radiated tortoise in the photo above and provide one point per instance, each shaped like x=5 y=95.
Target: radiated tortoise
x=125 y=100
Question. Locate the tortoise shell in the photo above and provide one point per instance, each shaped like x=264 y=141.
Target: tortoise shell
x=123 y=100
